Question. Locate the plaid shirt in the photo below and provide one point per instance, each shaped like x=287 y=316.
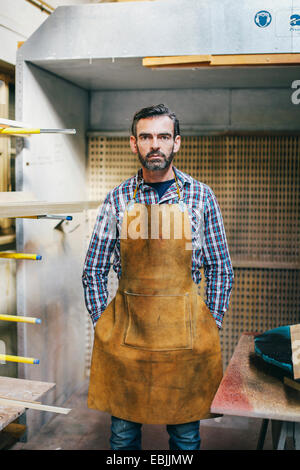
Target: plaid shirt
x=209 y=244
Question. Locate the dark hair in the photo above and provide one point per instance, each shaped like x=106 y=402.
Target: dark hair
x=155 y=110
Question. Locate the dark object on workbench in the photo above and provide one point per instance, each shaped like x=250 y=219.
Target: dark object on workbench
x=274 y=347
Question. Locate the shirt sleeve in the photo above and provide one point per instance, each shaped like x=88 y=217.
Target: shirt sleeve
x=216 y=260
x=97 y=261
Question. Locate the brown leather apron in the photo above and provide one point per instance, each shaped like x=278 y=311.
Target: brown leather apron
x=156 y=356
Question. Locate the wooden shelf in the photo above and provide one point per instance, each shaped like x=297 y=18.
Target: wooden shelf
x=207 y=60
x=26 y=208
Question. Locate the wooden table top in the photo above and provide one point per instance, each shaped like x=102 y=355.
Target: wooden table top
x=30 y=390
x=252 y=388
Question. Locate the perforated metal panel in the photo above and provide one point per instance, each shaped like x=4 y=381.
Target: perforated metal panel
x=110 y=162
x=256 y=182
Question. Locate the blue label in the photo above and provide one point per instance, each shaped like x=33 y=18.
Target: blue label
x=262 y=18
x=295 y=20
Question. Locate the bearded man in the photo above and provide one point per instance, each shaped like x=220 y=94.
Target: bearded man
x=156 y=356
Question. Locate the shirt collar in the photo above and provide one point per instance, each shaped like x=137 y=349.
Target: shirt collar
x=182 y=178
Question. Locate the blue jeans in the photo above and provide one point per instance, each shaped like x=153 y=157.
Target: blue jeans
x=126 y=435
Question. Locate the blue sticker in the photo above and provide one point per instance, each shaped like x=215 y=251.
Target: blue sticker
x=262 y=18
x=295 y=20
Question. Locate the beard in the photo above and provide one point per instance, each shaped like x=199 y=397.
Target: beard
x=158 y=164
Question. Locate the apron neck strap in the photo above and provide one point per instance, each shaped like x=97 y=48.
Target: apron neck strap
x=176 y=181
x=181 y=203
x=178 y=190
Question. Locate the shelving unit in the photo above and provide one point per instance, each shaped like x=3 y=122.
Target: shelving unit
x=21 y=205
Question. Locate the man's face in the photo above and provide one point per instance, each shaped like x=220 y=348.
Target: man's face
x=155 y=144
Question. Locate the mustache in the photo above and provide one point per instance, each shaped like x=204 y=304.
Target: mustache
x=155 y=152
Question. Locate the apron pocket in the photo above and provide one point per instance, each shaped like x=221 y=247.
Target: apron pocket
x=158 y=322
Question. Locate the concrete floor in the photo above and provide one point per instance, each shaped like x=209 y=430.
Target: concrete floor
x=85 y=429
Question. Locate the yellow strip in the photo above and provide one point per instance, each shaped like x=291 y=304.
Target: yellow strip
x=19 y=130
x=18 y=255
x=19 y=318
x=26 y=360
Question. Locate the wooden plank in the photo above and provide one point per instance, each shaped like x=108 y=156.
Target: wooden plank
x=177 y=61
x=25 y=401
x=295 y=343
x=34 y=406
x=23 y=389
x=256 y=59
x=222 y=60
x=19 y=389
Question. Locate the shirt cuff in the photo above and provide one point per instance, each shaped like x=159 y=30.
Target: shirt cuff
x=218 y=322
x=95 y=318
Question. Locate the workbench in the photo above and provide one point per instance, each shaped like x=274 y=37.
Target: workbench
x=252 y=388
x=19 y=389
